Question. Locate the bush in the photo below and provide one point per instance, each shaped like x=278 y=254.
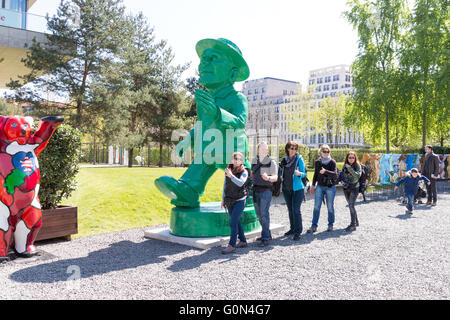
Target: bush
x=437 y=150
x=59 y=166
x=338 y=154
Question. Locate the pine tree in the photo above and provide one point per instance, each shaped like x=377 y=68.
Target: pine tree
x=84 y=36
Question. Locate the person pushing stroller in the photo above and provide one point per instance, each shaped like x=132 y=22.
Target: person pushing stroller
x=411 y=182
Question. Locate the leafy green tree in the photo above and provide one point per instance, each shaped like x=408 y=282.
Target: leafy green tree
x=379 y=24
x=424 y=58
x=84 y=36
x=192 y=84
x=168 y=113
x=328 y=116
x=128 y=86
x=299 y=119
x=139 y=90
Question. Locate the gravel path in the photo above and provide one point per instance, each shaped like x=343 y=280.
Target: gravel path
x=391 y=256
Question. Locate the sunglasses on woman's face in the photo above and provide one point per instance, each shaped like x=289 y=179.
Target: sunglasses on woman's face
x=294 y=149
x=326 y=151
x=351 y=157
x=238 y=159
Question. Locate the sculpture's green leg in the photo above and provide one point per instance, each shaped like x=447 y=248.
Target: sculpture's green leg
x=186 y=191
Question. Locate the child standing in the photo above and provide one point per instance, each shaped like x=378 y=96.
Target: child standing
x=411 y=182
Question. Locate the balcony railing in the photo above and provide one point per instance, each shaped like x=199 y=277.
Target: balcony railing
x=23 y=20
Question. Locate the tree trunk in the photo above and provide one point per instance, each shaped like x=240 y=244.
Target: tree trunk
x=168 y=155
x=424 y=125
x=95 y=151
x=387 y=130
x=130 y=157
x=160 y=155
x=79 y=114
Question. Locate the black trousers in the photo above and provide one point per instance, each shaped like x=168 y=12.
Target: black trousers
x=432 y=190
x=350 y=195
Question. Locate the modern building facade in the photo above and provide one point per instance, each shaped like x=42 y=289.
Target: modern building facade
x=17 y=28
x=265 y=96
x=279 y=108
x=332 y=82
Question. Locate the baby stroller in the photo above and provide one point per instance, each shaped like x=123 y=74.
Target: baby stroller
x=421 y=192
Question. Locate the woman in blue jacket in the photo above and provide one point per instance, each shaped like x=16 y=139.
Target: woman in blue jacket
x=292 y=172
x=411 y=182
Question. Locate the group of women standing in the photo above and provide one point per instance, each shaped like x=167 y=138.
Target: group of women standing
x=294 y=183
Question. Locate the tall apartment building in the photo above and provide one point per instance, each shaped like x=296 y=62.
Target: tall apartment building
x=272 y=102
x=265 y=96
x=330 y=82
x=17 y=27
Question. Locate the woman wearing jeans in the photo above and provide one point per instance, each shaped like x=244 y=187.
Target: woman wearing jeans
x=292 y=172
x=233 y=199
x=352 y=172
x=325 y=175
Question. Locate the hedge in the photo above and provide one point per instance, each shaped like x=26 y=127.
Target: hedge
x=59 y=166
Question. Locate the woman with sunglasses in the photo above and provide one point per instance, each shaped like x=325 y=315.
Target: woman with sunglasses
x=235 y=191
x=352 y=172
x=292 y=172
x=326 y=176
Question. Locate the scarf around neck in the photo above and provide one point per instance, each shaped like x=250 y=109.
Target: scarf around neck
x=326 y=161
x=291 y=161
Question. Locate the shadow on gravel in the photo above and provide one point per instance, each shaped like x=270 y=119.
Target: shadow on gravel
x=423 y=208
x=118 y=256
x=307 y=238
x=404 y=216
x=196 y=261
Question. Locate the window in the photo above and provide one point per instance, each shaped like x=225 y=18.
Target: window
x=284 y=92
x=319 y=80
x=336 y=77
x=249 y=92
x=311 y=81
x=18 y=5
x=326 y=87
x=263 y=90
x=328 y=79
x=256 y=91
x=334 y=86
x=321 y=138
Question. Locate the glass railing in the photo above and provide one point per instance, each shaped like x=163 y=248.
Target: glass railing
x=23 y=20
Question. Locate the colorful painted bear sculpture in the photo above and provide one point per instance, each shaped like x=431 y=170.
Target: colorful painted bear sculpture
x=20 y=210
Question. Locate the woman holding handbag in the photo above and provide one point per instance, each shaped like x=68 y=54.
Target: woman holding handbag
x=292 y=173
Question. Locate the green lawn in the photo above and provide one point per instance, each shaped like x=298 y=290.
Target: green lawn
x=112 y=199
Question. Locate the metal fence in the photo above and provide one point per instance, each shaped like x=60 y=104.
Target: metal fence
x=94 y=153
x=386 y=192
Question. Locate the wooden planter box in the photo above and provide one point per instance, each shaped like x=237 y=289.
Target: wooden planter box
x=59 y=222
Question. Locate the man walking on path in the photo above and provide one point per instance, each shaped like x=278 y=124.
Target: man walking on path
x=430 y=169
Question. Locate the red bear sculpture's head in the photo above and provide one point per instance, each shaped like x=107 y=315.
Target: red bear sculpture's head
x=17 y=129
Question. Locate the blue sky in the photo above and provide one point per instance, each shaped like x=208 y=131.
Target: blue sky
x=278 y=38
